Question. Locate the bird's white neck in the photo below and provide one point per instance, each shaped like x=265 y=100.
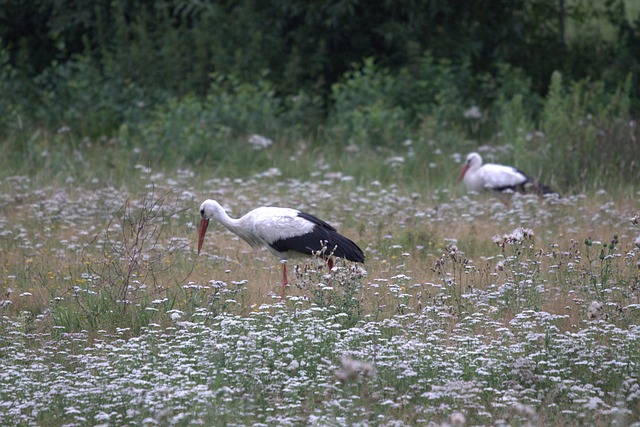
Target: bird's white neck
x=211 y=209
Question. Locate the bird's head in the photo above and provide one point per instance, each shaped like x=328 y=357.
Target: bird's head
x=473 y=160
x=208 y=209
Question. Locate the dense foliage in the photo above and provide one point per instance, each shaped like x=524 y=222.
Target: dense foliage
x=341 y=72
x=176 y=45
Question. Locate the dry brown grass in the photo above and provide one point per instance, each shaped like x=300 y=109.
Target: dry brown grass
x=405 y=238
x=474 y=269
x=448 y=314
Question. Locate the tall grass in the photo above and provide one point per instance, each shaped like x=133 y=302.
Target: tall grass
x=466 y=307
x=519 y=310
x=580 y=137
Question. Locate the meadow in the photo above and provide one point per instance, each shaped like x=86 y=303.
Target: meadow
x=469 y=310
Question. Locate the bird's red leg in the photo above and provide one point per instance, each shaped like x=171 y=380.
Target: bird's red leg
x=285 y=281
x=330 y=264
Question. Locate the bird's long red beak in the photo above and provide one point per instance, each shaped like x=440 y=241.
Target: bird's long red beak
x=204 y=223
x=464 y=170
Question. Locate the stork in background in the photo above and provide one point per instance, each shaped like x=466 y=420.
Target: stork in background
x=285 y=232
x=491 y=177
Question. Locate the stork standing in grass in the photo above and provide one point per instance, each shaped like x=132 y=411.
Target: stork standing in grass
x=285 y=232
x=478 y=177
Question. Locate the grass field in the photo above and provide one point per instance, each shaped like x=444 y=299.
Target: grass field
x=469 y=309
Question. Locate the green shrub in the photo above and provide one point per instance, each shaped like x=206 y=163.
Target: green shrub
x=215 y=128
x=442 y=89
x=200 y=130
x=76 y=94
x=365 y=111
x=514 y=110
x=11 y=114
x=245 y=108
x=182 y=129
x=589 y=137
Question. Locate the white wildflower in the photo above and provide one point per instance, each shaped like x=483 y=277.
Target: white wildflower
x=176 y=314
x=473 y=113
x=293 y=366
x=452 y=249
x=63 y=130
x=269 y=173
x=457 y=419
x=394 y=161
x=260 y=142
x=595 y=310
x=351 y=368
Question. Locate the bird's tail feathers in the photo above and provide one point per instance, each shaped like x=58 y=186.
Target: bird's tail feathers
x=542 y=189
x=532 y=185
x=342 y=247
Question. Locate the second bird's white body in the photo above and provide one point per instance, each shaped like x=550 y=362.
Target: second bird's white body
x=492 y=177
x=479 y=177
x=263 y=226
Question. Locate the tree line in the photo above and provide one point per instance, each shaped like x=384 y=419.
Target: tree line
x=308 y=45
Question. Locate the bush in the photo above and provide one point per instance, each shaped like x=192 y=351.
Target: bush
x=364 y=109
x=12 y=113
x=215 y=128
x=77 y=95
x=588 y=136
x=440 y=89
x=181 y=129
x=125 y=283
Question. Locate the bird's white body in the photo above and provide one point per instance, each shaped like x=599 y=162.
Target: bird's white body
x=285 y=232
x=478 y=177
x=262 y=226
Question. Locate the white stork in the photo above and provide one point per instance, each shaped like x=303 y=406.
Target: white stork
x=478 y=177
x=286 y=232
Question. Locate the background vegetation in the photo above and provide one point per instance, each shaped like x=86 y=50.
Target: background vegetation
x=118 y=117
x=179 y=82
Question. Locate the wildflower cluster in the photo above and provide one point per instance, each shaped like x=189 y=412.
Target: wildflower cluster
x=108 y=318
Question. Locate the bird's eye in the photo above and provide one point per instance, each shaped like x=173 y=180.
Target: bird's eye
x=202 y=212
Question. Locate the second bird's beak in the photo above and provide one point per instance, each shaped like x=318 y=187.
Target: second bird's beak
x=204 y=223
x=463 y=171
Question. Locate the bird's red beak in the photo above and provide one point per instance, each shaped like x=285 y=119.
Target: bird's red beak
x=204 y=223
x=464 y=170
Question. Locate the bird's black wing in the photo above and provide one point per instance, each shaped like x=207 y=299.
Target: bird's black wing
x=317 y=221
x=530 y=184
x=323 y=240
x=520 y=187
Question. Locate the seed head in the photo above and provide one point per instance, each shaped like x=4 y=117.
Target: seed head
x=457 y=419
x=351 y=368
